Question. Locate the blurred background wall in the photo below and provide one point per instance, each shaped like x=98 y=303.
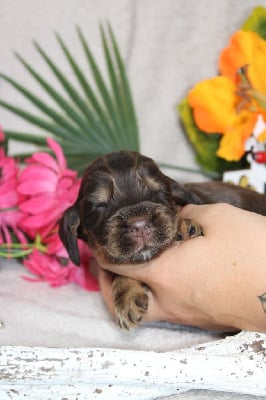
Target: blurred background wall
x=168 y=45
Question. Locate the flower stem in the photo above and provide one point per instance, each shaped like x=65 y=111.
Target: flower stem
x=38 y=244
x=259 y=97
x=15 y=254
x=19 y=250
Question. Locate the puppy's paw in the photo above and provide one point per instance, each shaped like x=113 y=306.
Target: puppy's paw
x=189 y=229
x=131 y=301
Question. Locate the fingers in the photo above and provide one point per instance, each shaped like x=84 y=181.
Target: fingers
x=134 y=271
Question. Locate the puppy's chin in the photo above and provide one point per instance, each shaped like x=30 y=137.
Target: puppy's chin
x=136 y=257
x=116 y=253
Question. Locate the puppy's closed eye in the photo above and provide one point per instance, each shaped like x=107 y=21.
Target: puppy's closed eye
x=101 y=206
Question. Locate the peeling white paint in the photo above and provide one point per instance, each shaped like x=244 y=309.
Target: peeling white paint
x=235 y=364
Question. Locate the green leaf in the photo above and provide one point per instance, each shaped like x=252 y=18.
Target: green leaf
x=49 y=111
x=26 y=137
x=114 y=79
x=72 y=92
x=256 y=22
x=66 y=107
x=104 y=126
x=205 y=145
x=125 y=87
x=35 y=120
x=102 y=89
x=87 y=119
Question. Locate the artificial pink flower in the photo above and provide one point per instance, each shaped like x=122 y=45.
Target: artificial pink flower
x=49 y=188
x=55 y=246
x=32 y=202
x=2 y=135
x=10 y=215
x=55 y=267
x=58 y=271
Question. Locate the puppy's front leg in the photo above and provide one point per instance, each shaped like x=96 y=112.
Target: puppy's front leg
x=131 y=301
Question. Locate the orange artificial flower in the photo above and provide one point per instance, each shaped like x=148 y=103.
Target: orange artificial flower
x=231 y=103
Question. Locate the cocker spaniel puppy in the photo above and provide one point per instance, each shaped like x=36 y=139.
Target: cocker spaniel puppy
x=128 y=211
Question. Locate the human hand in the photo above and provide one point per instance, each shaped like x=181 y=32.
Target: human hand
x=211 y=282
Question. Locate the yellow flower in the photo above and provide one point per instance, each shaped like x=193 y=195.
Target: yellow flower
x=230 y=104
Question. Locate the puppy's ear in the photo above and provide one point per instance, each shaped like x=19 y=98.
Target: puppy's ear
x=68 y=232
x=183 y=195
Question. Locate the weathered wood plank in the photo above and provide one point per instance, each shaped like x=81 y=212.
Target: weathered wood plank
x=235 y=364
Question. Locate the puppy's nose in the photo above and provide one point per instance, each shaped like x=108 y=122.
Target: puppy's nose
x=140 y=228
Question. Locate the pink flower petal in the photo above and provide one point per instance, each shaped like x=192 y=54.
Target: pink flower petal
x=36 y=170
x=37 y=204
x=49 y=268
x=45 y=159
x=20 y=235
x=35 y=180
x=6 y=234
x=8 y=199
x=82 y=276
x=40 y=220
x=9 y=168
x=2 y=135
x=57 y=149
x=29 y=279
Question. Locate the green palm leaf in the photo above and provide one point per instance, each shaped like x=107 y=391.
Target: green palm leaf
x=87 y=119
x=68 y=108
x=125 y=90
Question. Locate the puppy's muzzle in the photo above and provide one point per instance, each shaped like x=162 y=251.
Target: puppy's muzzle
x=138 y=223
x=137 y=233
x=141 y=231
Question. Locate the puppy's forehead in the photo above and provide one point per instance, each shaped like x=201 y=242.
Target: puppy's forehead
x=129 y=167
x=120 y=171
x=130 y=162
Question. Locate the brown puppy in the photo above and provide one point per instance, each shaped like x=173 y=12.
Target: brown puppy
x=127 y=211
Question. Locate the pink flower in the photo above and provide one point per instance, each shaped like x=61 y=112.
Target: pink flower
x=32 y=202
x=56 y=247
x=10 y=215
x=58 y=271
x=49 y=188
x=55 y=267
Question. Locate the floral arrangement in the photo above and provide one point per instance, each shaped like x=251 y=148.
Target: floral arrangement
x=33 y=199
x=220 y=114
x=86 y=120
